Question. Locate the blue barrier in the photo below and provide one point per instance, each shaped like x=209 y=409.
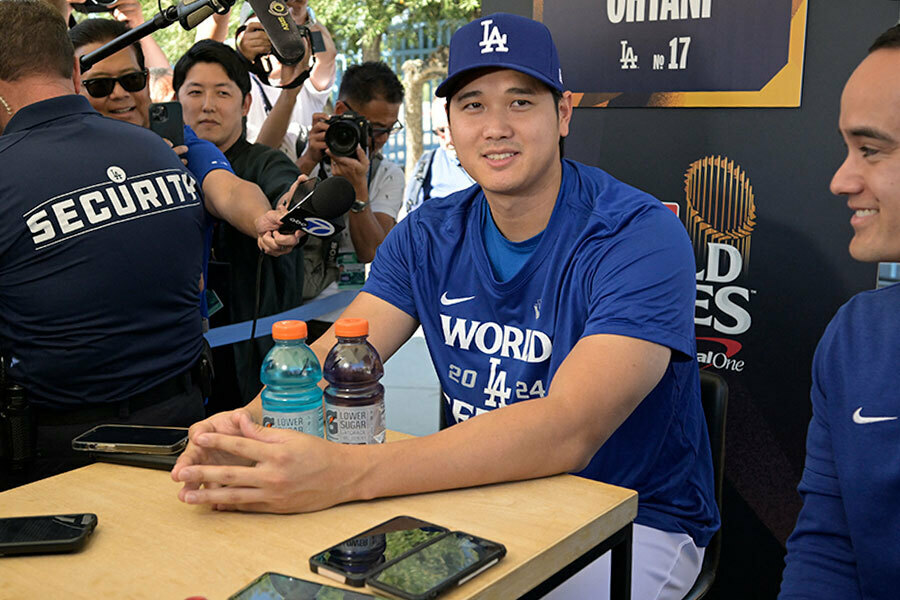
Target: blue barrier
x=238 y=332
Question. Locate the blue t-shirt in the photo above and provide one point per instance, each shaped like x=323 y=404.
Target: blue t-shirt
x=506 y=257
x=202 y=157
x=100 y=252
x=612 y=260
x=847 y=541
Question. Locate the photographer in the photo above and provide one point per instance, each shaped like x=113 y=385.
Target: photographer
x=373 y=92
x=279 y=117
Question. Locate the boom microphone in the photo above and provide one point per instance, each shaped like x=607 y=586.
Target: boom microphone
x=193 y=12
x=287 y=42
x=318 y=209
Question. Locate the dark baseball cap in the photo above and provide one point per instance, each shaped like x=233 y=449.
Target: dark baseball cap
x=503 y=41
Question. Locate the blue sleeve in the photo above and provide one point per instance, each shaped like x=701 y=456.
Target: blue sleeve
x=643 y=283
x=820 y=561
x=390 y=276
x=203 y=156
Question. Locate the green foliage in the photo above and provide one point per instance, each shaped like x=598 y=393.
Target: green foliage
x=356 y=24
x=173 y=40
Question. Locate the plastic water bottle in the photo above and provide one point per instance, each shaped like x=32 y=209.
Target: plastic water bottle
x=291 y=373
x=354 y=402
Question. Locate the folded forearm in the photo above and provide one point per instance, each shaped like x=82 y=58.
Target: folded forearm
x=521 y=441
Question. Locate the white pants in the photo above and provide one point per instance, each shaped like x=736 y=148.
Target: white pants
x=664 y=566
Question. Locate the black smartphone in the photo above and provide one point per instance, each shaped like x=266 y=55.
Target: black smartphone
x=166 y=120
x=445 y=562
x=141 y=439
x=275 y=586
x=162 y=462
x=45 y=534
x=356 y=558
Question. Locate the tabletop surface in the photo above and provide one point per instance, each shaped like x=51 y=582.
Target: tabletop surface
x=148 y=544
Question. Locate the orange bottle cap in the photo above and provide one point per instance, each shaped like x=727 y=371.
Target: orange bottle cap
x=351 y=327
x=289 y=330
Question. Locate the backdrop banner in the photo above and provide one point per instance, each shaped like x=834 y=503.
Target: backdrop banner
x=676 y=53
x=751 y=187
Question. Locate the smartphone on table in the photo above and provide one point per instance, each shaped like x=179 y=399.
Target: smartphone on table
x=45 y=534
x=275 y=586
x=445 y=562
x=167 y=121
x=138 y=439
x=354 y=559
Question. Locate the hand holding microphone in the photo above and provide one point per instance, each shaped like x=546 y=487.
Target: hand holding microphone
x=285 y=36
x=316 y=206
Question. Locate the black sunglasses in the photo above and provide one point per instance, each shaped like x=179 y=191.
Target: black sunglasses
x=101 y=87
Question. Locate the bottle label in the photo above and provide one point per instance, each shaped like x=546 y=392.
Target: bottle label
x=307 y=421
x=355 y=424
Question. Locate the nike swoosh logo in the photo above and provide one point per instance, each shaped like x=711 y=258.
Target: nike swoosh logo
x=861 y=420
x=451 y=301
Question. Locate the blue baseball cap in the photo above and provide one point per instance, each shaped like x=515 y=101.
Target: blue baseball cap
x=503 y=41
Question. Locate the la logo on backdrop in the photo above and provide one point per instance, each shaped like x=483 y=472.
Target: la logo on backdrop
x=720 y=215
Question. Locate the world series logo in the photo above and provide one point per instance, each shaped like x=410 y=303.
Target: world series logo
x=720 y=216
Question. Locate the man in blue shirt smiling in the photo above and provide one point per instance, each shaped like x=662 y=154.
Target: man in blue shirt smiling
x=846 y=544
x=557 y=304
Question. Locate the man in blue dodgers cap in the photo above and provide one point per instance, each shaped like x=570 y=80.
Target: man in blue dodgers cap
x=558 y=308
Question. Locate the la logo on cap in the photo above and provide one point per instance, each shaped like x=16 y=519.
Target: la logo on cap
x=492 y=40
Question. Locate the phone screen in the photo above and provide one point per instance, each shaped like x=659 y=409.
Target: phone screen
x=439 y=562
x=274 y=586
x=357 y=557
x=129 y=435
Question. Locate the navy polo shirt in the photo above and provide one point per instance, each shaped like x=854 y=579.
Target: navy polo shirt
x=101 y=240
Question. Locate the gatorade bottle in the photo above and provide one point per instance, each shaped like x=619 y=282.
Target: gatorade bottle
x=354 y=402
x=291 y=373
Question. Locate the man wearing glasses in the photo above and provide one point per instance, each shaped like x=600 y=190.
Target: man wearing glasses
x=370 y=89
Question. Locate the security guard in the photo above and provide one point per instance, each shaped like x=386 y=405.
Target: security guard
x=100 y=254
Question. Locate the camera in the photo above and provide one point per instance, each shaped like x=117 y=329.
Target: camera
x=94 y=6
x=345 y=132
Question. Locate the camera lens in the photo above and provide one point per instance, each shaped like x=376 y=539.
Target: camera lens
x=159 y=113
x=342 y=138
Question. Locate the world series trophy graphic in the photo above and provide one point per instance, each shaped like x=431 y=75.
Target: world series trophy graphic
x=720 y=206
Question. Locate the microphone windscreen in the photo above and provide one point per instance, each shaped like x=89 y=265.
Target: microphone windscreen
x=332 y=198
x=281 y=29
x=190 y=17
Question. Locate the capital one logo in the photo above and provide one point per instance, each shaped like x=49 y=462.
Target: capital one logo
x=720 y=215
x=492 y=41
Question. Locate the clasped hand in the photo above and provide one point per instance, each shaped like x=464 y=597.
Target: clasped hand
x=232 y=463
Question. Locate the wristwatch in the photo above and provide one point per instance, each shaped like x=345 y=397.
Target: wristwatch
x=358 y=206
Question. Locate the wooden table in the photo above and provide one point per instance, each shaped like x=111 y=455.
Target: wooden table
x=150 y=545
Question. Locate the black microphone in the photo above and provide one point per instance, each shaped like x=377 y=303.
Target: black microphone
x=287 y=42
x=316 y=208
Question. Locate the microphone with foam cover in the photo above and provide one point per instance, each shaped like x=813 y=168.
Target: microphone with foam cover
x=317 y=211
x=193 y=12
x=287 y=42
